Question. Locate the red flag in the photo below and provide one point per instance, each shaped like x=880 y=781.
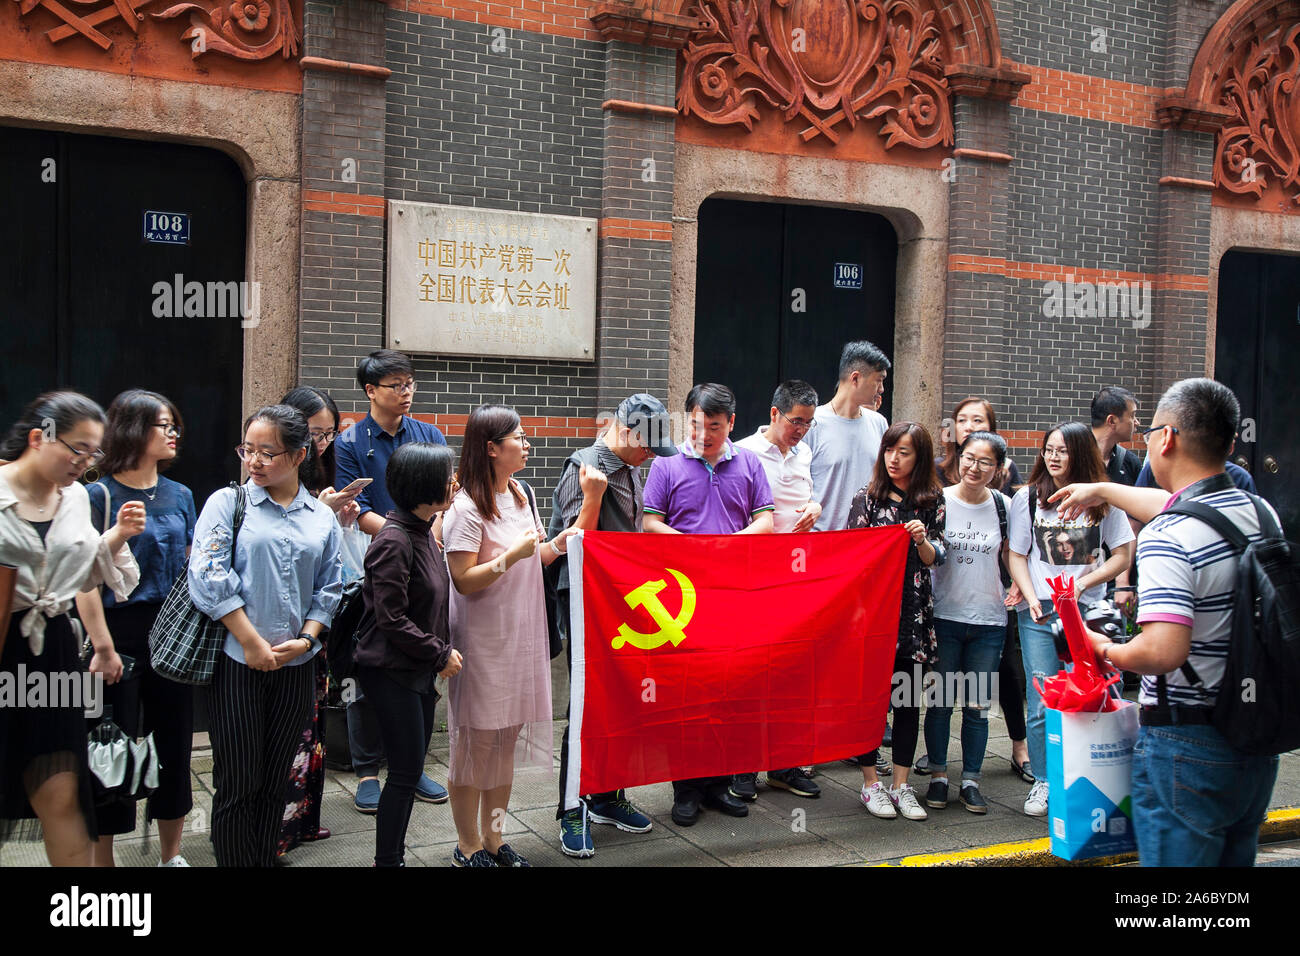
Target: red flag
x=696 y=655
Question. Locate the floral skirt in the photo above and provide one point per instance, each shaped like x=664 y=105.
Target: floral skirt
x=307 y=779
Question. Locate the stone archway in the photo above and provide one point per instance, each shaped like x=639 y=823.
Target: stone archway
x=267 y=151
x=850 y=104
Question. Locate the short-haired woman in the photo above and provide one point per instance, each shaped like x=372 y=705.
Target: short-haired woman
x=46 y=533
x=1068 y=455
x=404 y=640
x=499 y=707
x=904 y=489
x=970 y=617
x=141 y=440
x=275 y=590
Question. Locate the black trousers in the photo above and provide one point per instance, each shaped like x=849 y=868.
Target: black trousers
x=1011 y=682
x=149 y=703
x=907 y=717
x=596 y=798
x=256 y=720
x=405 y=719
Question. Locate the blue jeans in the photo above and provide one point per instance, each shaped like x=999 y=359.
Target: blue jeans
x=1196 y=801
x=1038 y=651
x=968 y=658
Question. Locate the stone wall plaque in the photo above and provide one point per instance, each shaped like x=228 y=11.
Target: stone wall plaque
x=464 y=281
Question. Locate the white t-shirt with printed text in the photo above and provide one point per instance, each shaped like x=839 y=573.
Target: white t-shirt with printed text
x=968 y=586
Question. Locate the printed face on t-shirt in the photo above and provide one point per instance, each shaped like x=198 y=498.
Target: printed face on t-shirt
x=1070 y=546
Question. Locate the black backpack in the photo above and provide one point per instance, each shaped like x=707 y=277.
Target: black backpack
x=1258 y=708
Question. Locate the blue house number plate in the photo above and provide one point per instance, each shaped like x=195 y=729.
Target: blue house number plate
x=848 y=275
x=168 y=227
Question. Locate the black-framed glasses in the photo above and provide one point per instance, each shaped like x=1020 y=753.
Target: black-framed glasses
x=981 y=463
x=249 y=454
x=170 y=430
x=1155 y=428
x=326 y=436
x=94 y=457
x=401 y=388
x=799 y=422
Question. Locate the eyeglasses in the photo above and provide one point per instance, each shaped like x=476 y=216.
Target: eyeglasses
x=1055 y=453
x=1155 y=428
x=325 y=436
x=170 y=430
x=799 y=422
x=981 y=463
x=523 y=439
x=402 y=388
x=94 y=457
x=250 y=454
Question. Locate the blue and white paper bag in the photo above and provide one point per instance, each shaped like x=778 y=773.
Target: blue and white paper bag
x=1090 y=782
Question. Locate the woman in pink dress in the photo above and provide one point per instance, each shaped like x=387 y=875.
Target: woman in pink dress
x=499 y=707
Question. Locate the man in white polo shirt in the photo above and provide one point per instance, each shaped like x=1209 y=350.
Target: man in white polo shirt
x=786 y=462
x=1196 y=800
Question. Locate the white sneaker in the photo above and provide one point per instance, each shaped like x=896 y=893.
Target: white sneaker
x=177 y=860
x=1036 y=805
x=904 y=798
x=876 y=799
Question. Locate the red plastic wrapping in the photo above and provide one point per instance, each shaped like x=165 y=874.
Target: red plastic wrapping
x=1084 y=689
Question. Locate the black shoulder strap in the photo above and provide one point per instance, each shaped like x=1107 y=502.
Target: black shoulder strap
x=1215 y=519
x=1001 y=507
x=1268 y=527
x=1033 y=514
x=241 y=505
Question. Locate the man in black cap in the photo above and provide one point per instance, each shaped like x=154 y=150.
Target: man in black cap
x=640 y=430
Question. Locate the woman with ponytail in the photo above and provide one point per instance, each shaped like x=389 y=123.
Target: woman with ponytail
x=275 y=585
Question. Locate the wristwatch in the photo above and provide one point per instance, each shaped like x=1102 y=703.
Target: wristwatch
x=303 y=635
x=555 y=547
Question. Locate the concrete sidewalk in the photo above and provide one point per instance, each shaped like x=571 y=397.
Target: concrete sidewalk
x=781 y=829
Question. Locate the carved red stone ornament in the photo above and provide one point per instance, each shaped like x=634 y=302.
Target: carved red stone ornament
x=821 y=63
x=244 y=29
x=1261 y=139
x=1243 y=87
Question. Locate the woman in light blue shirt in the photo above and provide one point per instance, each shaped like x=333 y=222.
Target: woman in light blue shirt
x=275 y=595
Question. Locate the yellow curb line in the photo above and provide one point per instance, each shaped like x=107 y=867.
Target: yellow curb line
x=1280 y=824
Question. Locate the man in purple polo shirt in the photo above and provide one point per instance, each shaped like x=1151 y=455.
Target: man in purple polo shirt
x=712 y=487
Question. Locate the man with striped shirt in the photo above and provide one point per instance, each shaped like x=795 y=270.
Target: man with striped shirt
x=1196 y=801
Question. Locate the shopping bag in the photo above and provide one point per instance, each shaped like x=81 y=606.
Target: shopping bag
x=352 y=552
x=1090 y=781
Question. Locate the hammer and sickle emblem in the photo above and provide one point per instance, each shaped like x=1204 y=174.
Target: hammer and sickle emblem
x=670 y=628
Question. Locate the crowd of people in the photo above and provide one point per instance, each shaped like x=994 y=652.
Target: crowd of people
x=454 y=585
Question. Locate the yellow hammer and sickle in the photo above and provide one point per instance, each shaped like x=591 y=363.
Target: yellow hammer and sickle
x=670 y=628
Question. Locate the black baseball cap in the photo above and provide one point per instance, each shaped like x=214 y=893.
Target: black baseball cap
x=647 y=416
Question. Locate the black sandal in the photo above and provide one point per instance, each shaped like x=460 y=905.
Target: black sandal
x=1023 y=771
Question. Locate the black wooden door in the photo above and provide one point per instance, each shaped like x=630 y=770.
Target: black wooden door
x=1256 y=348
x=767 y=307
x=77 y=282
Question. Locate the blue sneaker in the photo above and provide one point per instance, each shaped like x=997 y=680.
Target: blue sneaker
x=621 y=813
x=367 y=798
x=575 y=834
x=505 y=856
x=429 y=790
x=477 y=858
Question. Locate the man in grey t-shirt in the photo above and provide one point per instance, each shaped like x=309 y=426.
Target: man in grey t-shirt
x=845 y=442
